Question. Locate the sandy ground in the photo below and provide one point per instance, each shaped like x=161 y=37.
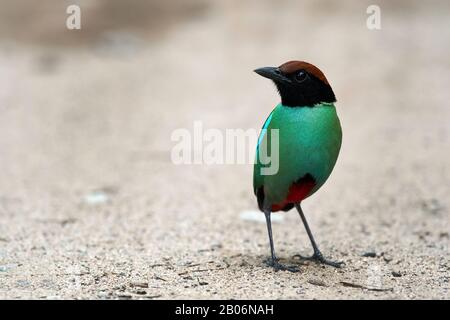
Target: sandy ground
x=91 y=205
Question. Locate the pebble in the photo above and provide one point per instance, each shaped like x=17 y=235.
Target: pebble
x=96 y=197
x=370 y=254
x=317 y=282
x=6 y=267
x=139 y=284
x=396 y=274
x=141 y=292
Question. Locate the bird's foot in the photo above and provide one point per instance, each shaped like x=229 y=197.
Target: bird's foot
x=277 y=266
x=318 y=257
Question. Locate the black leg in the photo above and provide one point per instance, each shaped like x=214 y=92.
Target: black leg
x=273 y=261
x=269 y=230
x=317 y=254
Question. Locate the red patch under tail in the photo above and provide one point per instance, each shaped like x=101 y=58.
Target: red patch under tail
x=298 y=191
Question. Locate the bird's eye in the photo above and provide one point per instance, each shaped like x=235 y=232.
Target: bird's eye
x=301 y=76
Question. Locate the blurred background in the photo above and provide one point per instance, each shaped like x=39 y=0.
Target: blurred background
x=91 y=205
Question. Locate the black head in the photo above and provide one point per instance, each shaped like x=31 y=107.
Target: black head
x=299 y=83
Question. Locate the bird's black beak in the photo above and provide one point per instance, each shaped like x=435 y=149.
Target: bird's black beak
x=273 y=73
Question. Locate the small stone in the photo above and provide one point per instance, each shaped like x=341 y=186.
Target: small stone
x=123 y=295
x=7 y=267
x=139 y=284
x=396 y=274
x=317 y=282
x=96 y=197
x=23 y=283
x=370 y=254
x=141 y=292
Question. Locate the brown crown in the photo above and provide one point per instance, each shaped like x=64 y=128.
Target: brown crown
x=293 y=66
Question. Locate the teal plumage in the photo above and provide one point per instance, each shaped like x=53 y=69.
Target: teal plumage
x=308 y=145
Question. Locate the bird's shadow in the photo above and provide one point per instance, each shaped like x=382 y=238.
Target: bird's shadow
x=302 y=262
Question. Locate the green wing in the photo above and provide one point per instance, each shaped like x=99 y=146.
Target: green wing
x=258 y=179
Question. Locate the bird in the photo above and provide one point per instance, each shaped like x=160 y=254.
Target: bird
x=309 y=142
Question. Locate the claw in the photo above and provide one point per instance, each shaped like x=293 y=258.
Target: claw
x=318 y=257
x=279 y=267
